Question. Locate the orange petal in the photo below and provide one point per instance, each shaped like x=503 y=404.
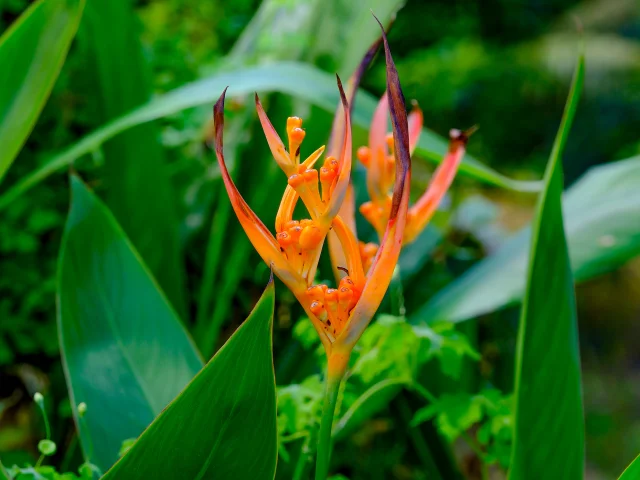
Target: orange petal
x=415 y=127
x=420 y=214
x=262 y=240
x=381 y=271
x=344 y=173
x=278 y=149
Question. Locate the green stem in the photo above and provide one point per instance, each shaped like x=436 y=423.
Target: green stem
x=335 y=374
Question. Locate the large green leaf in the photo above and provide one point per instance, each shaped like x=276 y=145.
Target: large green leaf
x=601 y=213
x=138 y=190
x=296 y=79
x=549 y=424
x=632 y=472
x=223 y=425
x=32 y=52
x=124 y=350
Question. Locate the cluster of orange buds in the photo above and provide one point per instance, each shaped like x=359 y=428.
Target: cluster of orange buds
x=338 y=314
x=379 y=160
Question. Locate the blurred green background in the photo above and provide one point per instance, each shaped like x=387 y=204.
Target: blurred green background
x=502 y=65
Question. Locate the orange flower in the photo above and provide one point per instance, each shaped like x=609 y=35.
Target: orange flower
x=339 y=314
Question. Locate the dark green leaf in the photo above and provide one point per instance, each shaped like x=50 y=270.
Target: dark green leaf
x=296 y=79
x=632 y=472
x=32 y=52
x=125 y=353
x=138 y=190
x=549 y=424
x=223 y=425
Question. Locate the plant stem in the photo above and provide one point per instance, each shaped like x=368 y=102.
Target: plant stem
x=336 y=368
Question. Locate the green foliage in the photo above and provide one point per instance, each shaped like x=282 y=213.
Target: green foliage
x=32 y=52
x=121 y=313
x=138 y=192
x=549 y=420
x=234 y=396
x=632 y=471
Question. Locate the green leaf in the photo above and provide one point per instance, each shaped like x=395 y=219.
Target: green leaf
x=375 y=399
x=632 y=472
x=601 y=212
x=4 y=475
x=223 y=425
x=32 y=52
x=455 y=413
x=296 y=79
x=549 y=423
x=124 y=350
x=138 y=190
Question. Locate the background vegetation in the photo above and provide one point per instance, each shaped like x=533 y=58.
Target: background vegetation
x=502 y=65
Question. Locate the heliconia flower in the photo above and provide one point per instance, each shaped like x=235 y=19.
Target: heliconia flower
x=379 y=160
x=338 y=314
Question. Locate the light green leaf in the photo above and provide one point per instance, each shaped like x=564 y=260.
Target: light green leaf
x=32 y=52
x=549 y=424
x=296 y=79
x=223 y=425
x=124 y=350
x=138 y=190
x=632 y=472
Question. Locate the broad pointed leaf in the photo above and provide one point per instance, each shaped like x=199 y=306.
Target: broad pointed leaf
x=124 y=350
x=223 y=425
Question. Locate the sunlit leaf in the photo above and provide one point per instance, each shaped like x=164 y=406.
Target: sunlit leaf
x=223 y=425
x=125 y=353
x=549 y=424
x=32 y=52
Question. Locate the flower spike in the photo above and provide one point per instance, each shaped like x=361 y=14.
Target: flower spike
x=258 y=234
x=381 y=270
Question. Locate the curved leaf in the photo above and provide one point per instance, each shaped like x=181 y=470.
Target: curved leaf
x=223 y=425
x=32 y=52
x=549 y=423
x=296 y=79
x=124 y=350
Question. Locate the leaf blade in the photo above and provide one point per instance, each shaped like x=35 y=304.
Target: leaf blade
x=235 y=411
x=116 y=328
x=549 y=424
x=32 y=52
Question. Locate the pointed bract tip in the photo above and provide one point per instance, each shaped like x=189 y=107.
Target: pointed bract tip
x=343 y=97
